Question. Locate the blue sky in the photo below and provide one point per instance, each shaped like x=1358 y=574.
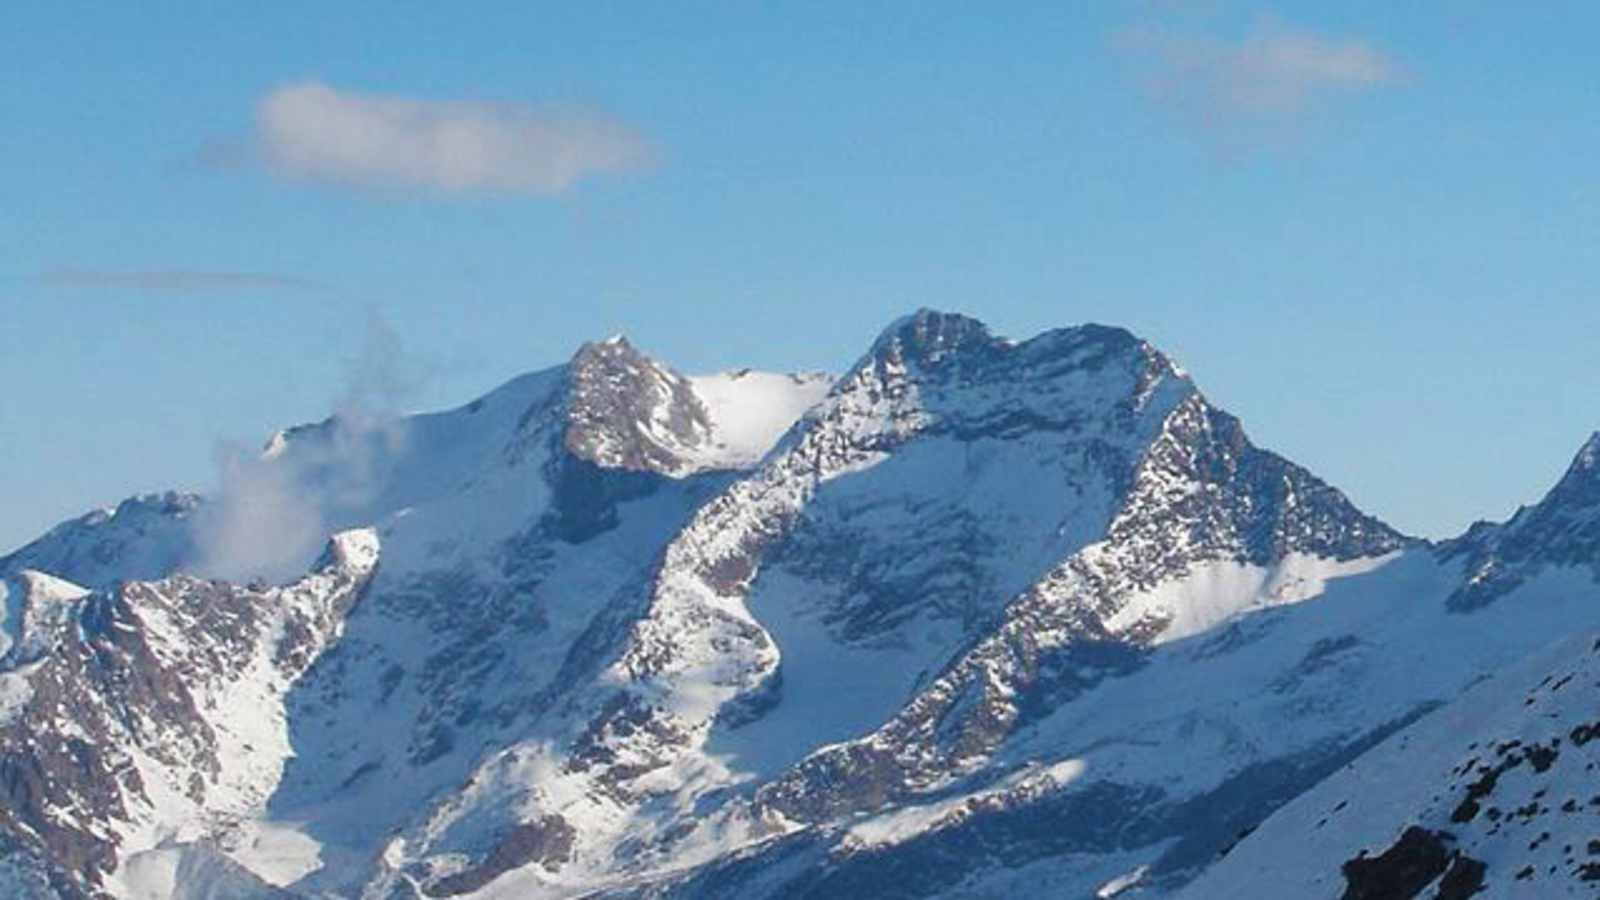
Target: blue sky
x=1370 y=231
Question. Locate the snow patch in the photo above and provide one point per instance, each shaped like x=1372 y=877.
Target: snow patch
x=908 y=822
x=1121 y=883
x=750 y=410
x=1216 y=591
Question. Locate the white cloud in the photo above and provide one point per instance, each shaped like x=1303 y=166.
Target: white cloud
x=170 y=280
x=313 y=131
x=273 y=511
x=1255 y=86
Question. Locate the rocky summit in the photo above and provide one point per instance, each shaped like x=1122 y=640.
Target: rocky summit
x=976 y=618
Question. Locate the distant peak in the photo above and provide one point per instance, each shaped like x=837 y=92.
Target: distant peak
x=613 y=345
x=927 y=336
x=611 y=358
x=1586 y=464
x=613 y=348
x=932 y=339
x=625 y=410
x=1562 y=529
x=1588 y=457
x=933 y=325
x=1110 y=334
x=1581 y=483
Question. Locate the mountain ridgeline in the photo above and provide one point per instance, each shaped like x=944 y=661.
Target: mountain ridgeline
x=976 y=618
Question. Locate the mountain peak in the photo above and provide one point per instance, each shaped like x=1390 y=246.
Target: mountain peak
x=927 y=337
x=1588 y=458
x=1562 y=529
x=1579 y=486
x=614 y=347
x=625 y=410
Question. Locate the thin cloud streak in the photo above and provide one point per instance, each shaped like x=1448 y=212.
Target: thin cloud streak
x=1257 y=87
x=311 y=131
x=171 y=280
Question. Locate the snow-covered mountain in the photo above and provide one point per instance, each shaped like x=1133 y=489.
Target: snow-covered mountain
x=978 y=618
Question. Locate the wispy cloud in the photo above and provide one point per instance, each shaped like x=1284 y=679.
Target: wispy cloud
x=170 y=280
x=273 y=510
x=1258 y=86
x=312 y=131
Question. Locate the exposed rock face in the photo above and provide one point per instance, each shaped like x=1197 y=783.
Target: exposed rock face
x=547 y=842
x=987 y=618
x=625 y=411
x=1418 y=859
x=146 y=700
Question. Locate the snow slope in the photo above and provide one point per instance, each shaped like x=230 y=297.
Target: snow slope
x=1495 y=792
x=143 y=537
x=750 y=410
